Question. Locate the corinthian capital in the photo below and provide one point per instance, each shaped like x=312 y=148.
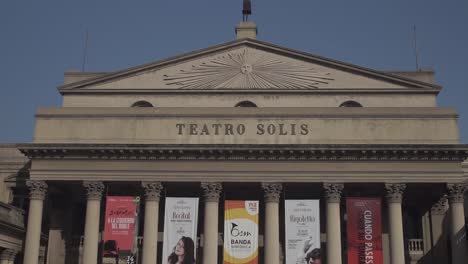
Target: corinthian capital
x=211 y=191
x=37 y=189
x=333 y=191
x=456 y=192
x=395 y=192
x=272 y=191
x=94 y=189
x=440 y=208
x=152 y=190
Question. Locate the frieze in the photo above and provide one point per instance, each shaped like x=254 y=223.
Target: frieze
x=249 y=152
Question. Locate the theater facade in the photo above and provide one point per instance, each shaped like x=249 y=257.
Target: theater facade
x=244 y=121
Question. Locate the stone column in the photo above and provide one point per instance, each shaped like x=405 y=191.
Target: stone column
x=211 y=192
x=150 y=235
x=458 y=242
x=91 y=235
x=7 y=256
x=37 y=192
x=394 y=198
x=333 y=197
x=271 y=239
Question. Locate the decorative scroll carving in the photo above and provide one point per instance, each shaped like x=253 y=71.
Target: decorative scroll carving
x=272 y=191
x=211 y=191
x=456 y=192
x=93 y=190
x=248 y=68
x=152 y=190
x=333 y=191
x=440 y=208
x=37 y=189
x=395 y=192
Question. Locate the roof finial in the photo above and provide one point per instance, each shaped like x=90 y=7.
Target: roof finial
x=246 y=10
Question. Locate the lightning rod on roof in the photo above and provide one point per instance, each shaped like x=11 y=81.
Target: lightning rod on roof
x=416 y=55
x=85 y=52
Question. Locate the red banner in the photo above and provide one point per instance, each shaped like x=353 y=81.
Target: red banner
x=119 y=229
x=364 y=226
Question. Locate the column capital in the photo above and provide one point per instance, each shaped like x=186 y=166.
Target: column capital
x=440 y=207
x=395 y=192
x=211 y=191
x=37 y=189
x=333 y=191
x=152 y=190
x=272 y=191
x=8 y=254
x=94 y=189
x=456 y=192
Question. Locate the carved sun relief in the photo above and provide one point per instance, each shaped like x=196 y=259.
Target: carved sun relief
x=247 y=69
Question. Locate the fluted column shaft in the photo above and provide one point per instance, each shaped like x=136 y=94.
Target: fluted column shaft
x=37 y=192
x=457 y=222
x=394 y=199
x=150 y=235
x=91 y=236
x=272 y=192
x=333 y=198
x=211 y=193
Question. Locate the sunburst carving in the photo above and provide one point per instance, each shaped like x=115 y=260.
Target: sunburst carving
x=248 y=69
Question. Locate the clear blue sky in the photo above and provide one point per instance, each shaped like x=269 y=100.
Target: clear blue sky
x=39 y=40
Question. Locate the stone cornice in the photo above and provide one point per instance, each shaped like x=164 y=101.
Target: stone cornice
x=364 y=152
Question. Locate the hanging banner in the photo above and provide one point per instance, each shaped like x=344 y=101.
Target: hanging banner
x=241 y=232
x=302 y=231
x=120 y=228
x=364 y=226
x=180 y=229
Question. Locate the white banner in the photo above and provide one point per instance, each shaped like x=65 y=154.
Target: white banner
x=302 y=221
x=180 y=229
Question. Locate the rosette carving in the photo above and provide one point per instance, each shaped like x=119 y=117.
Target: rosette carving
x=94 y=190
x=211 y=191
x=37 y=189
x=272 y=191
x=456 y=192
x=395 y=192
x=152 y=190
x=333 y=191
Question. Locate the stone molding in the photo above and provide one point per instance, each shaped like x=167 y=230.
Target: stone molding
x=395 y=192
x=456 y=192
x=272 y=191
x=8 y=254
x=440 y=207
x=94 y=189
x=306 y=152
x=333 y=191
x=37 y=189
x=152 y=190
x=211 y=191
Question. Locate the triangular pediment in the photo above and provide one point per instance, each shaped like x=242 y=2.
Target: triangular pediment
x=246 y=65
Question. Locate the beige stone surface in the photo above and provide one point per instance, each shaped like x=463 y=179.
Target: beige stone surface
x=247 y=126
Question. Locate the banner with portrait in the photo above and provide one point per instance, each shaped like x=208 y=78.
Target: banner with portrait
x=364 y=227
x=241 y=232
x=120 y=228
x=302 y=231
x=180 y=229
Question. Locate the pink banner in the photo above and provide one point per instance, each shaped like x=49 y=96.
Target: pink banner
x=364 y=228
x=119 y=229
